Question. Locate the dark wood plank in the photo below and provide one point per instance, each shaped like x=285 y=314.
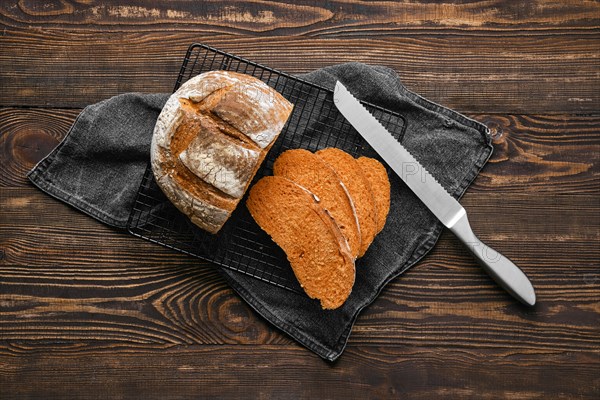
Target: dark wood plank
x=533 y=153
x=280 y=372
x=63 y=269
x=542 y=153
x=31 y=219
x=140 y=305
x=89 y=311
x=482 y=73
x=27 y=136
x=154 y=305
x=303 y=16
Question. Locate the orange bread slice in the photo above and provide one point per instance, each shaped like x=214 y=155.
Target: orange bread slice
x=310 y=171
x=380 y=186
x=359 y=188
x=312 y=241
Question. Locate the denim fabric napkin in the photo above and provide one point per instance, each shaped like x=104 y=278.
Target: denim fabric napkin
x=98 y=168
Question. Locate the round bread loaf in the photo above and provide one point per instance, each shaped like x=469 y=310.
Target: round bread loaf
x=210 y=139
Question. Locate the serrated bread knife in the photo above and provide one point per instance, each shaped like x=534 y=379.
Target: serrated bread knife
x=445 y=207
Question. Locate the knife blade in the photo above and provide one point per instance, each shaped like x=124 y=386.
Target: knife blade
x=445 y=207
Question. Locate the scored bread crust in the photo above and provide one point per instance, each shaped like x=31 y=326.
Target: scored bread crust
x=314 y=245
x=359 y=188
x=310 y=171
x=210 y=139
x=380 y=185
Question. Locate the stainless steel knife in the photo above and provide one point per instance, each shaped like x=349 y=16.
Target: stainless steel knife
x=445 y=207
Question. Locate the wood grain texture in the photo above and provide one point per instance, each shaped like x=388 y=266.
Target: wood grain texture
x=87 y=311
x=480 y=73
x=27 y=136
x=542 y=153
x=71 y=237
x=138 y=292
x=533 y=153
x=239 y=372
x=303 y=17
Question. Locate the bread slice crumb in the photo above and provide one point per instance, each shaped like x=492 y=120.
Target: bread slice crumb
x=314 y=245
x=380 y=186
x=358 y=186
x=311 y=172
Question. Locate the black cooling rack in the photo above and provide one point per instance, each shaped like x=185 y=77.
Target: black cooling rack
x=241 y=245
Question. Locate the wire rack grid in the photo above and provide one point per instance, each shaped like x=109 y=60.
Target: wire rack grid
x=241 y=245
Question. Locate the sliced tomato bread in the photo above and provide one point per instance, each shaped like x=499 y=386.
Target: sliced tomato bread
x=312 y=241
x=359 y=188
x=310 y=171
x=380 y=186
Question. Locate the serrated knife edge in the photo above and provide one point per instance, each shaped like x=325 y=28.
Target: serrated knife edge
x=437 y=199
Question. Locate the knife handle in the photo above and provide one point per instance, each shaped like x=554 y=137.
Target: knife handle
x=500 y=268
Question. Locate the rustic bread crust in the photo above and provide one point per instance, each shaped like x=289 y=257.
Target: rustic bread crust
x=310 y=171
x=312 y=241
x=220 y=160
x=210 y=139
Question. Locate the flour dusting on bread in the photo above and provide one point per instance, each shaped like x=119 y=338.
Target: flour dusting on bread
x=210 y=139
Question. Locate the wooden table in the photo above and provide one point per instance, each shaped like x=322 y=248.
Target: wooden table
x=90 y=311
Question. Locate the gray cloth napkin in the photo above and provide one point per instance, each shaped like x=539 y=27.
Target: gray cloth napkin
x=98 y=167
